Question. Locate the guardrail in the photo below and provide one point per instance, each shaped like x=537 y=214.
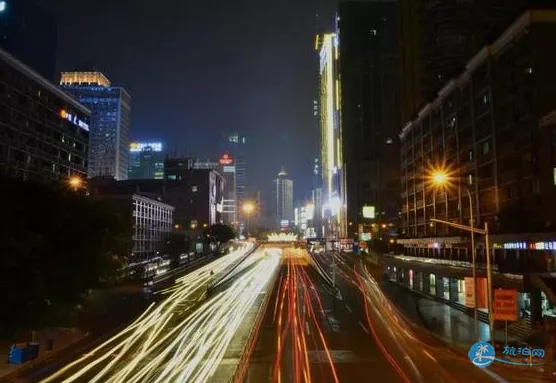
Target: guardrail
x=241 y=367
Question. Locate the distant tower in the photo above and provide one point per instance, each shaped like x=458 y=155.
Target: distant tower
x=283 y=200
x=110 y=108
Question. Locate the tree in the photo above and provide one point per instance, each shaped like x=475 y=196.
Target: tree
x=177 y=244
x=218 y=235
x=54 y=246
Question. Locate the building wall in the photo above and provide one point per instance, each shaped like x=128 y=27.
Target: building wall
x=35 y=140
x=146 y=161
x=110 y=127
x=369 y=110
x=152 y=227
x=483 y=128
x=283 y=199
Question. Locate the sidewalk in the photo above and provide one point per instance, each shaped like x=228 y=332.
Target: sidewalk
x=103 y=311
x=60 y=337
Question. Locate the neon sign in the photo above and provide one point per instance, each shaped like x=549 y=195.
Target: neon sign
x=74 y=120
x=140 y=146
x=225 y=160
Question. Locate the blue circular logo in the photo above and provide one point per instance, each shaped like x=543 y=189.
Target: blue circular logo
x=481 y=354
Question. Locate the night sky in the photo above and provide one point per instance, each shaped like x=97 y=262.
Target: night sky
x=198 y=70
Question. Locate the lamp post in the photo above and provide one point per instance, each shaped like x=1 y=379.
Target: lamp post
x=440 y=178
x=248 y=208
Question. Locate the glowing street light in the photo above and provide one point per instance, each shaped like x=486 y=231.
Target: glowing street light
x=75 y=182
x=248 y=208
x=439 y=178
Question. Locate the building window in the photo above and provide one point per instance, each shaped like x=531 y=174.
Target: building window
x=528 y=70
x=486 y=147
x=172 y=177
x=554 y=175
x=536 y=186
x=194 y=189
x=389 y=141
x=486 y=98
x=471 y=155
x=470 y=179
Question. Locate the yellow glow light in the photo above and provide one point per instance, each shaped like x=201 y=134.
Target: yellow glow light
x=248 y=207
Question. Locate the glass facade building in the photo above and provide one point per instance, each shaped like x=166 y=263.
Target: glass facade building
x=146 y=161
x=283 y=200
x=44 y=133
x=110 y=108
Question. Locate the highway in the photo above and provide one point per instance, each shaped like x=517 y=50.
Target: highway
x=308 y=335
x=409 y=349
x=184 y=337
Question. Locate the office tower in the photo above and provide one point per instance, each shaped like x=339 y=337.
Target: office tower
x=236 y=148
x=283 y=200
x=227 y=168
x=28 y=31
x=146 y=161
x=369 y=112
x=46 y=143
x=331 y=150
x=110 y=108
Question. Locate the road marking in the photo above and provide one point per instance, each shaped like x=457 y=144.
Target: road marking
x=363 y=327
x=430 y=356
x=307 y=328
x=349 y=309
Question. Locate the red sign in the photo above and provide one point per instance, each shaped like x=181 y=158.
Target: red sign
x=505 y=305
x=225 y=160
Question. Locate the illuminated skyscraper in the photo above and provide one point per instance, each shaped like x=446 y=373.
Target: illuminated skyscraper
x=110 y=108
x=146 y=161
x=282 y=201
x=334 y=203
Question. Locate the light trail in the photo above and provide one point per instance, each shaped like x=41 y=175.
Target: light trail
x=168 y=343
x=298 y=304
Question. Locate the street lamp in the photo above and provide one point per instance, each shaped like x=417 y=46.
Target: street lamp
x=248 y=208
x=441 y=178
x=75 y=182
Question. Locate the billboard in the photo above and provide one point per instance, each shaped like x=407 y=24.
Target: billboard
x=140 y=146
x=369 y=212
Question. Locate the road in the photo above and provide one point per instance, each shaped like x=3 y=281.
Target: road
x=409 y=349
x=309 y=335
x=184 y=337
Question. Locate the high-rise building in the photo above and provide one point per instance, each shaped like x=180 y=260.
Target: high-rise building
x=227 y=168
x=29 y=31
x=236 y=148
x=110 y=121
x=492 y=130
x=146 y=161
x=369 y=112
x=331 y=150
x=44 y=133
x=282 y=200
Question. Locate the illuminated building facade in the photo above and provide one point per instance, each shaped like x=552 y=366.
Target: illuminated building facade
x=334 y=203
x=110 y=122
x=146 y=161
x=282 y=201
x=226 y=167
x=44 y=133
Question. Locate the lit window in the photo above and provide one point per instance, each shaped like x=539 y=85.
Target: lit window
x=470 y=179
x=471 y=155
x=194 y=188
x=389 y=141
x=172 y=177
x=486 y=98
x=529 y=70
x=486 y=148
x=554 y=172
